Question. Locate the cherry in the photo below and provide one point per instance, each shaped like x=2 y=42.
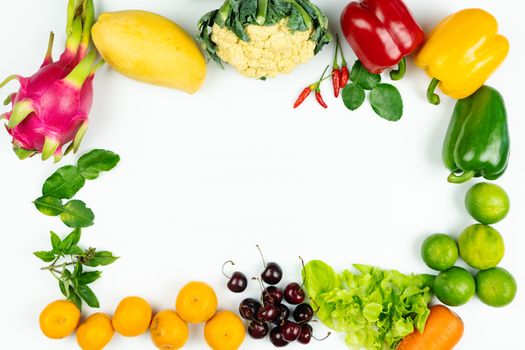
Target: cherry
x=248 y=308
x=306 y=334
x=237 y=282
x=303 y=313
x=282 y=314
x=294 y=294
x=272 y=295
x=258 y=330
x=272 y=273
x=267 y=313
x=291 y=331
x=277 y=338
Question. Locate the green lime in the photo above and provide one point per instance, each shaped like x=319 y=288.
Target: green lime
x=481 y=246
x=487 y=203
x=496 y=287
x=439 y=251
x=454 y=286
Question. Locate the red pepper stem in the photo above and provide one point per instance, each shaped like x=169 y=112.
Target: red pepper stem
x=399 y=73
x=342 y=53
x=459 y=179
x=318 y=84
x=432 y=97
x=336 y=64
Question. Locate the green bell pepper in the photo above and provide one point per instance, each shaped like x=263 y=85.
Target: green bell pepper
x=477 y=141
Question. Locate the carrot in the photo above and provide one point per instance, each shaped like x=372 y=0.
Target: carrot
x=443 y=331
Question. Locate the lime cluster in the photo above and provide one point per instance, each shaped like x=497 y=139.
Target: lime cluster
x=480 y=246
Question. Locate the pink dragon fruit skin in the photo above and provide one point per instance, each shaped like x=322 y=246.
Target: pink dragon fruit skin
x=51 y=108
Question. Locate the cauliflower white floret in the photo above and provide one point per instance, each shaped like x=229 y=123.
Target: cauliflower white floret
x=272 y=50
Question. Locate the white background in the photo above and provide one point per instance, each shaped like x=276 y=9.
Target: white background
x=205 y=178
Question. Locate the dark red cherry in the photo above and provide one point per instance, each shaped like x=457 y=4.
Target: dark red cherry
x=238 y=282
x=294 y=294
x=272 y=295
x=258 y=330
x=306 y=334
x=291 y=331
x=272 y=274
x=267 y=313
x=248 y=308
x=277 y=338
x=283 y=312
x=303 y=313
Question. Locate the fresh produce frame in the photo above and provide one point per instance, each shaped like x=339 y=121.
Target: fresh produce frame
x=477 y=145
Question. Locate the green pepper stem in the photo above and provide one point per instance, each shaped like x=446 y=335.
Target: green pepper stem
x=399 y=73
x=432 y=97
x=459 y=179
x=336 y=56
x=262 y=11
x=306 y=17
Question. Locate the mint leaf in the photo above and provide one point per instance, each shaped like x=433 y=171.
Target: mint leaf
x=77 y=215
x=88 y=277
x=353 y=96
x=102 y=258
x=49 y=206
x=91 y=164
x=386 y=101
x=87 y=295
x=364 y=78
x=72 y=239
x=63 y=183
x=45 y=256
x=55 y=241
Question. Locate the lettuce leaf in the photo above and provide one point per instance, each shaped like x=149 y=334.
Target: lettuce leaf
x=375 y=308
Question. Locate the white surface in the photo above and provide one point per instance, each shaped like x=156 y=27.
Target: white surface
x=204 y=178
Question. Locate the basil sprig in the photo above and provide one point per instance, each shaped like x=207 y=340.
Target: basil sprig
x=67 y=181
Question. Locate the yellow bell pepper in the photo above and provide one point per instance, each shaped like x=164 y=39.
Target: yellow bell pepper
x=461 y=53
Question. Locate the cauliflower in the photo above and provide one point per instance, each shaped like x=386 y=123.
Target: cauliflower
x=272 y=38
x=271 y=50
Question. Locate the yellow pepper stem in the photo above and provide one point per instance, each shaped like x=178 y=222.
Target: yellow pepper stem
x=432 y=97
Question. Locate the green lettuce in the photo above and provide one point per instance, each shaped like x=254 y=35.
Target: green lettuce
x=375 y=308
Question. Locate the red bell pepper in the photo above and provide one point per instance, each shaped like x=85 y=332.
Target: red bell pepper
x=381 y=33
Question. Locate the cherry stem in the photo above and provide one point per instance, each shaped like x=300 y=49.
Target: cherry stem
x=262 y=256
x=304 y=271
x=327 y=335
x=223 y=265
x=263 y=290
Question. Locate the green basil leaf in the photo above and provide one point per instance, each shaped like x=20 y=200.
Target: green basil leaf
x=75 y=250
x=75 y=298
x=102 y=258
x=64 y=288
x=63 y=183
x=91 y=164
x=87 y=295
x=364 y=78
x=353 y=96
x=77 y=270
x=45 y=256
x=386 y=101
x=89 y=277
x=49 y=206
x=66 y=275
x=55 y=241
x=70 y=240
x=77 y=215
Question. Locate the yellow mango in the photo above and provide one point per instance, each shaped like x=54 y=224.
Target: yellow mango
x=150 y=48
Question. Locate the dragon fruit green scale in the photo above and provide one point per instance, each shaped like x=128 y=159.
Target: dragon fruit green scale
x=51 y=108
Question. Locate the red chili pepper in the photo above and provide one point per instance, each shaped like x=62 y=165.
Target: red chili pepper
x=319 y=98
x=308 y=90
x=336 y=72
x=381 y=33
x=345 y=75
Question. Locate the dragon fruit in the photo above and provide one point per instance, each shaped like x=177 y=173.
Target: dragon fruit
x=51 y=107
